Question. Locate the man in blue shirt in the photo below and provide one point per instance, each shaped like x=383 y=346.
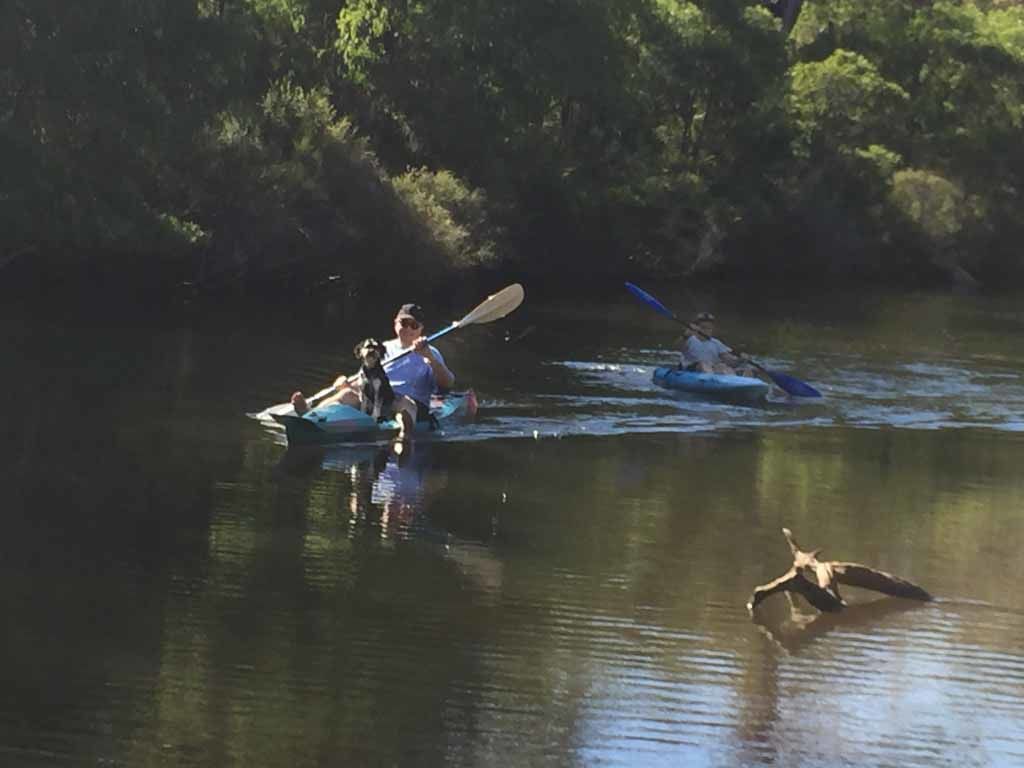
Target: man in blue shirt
x=413 y=377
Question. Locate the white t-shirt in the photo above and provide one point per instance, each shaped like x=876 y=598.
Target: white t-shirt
x=700 y=350
x=411 y=375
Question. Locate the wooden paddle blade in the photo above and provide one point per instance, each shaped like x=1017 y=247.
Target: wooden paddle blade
x=492 y=308
x=496 y=306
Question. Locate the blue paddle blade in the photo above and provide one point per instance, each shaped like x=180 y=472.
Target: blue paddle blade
x=793 y=386
x=649 y=300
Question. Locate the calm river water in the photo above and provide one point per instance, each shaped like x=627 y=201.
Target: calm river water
x=561 y=584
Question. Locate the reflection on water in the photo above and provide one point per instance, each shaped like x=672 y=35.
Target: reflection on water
x=388 y=490
x=564 y=583
x=389 y=496
x=794 y=624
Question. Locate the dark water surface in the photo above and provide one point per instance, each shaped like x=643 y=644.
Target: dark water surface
x=562 y=583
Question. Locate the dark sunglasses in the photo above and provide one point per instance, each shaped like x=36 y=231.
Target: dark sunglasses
x=408 y=322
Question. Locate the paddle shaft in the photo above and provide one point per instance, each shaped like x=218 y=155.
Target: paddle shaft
x=691 y=327
x=494 y=307
x=333 y=389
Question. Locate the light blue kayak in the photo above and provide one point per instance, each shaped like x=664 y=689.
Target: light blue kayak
x=338 y=423
x=718 y=386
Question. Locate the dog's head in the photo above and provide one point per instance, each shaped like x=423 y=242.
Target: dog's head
x=369 y=352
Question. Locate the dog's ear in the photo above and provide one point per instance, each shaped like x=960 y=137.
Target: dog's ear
x=358 y=351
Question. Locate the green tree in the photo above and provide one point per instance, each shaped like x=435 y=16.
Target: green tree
x=970 y=102
x=848 y=127
x=960 y=66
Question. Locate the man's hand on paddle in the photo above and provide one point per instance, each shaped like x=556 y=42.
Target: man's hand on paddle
x=442 y=375
x=422 y=347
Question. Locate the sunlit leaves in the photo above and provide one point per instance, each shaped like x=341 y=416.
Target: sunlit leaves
x=842 y=103
x=362 y=27
x=1008 y=28
x=883 y=160
x=288 y=13
x=640 y=124
x=973 y=77
x=455 y=215
x=933 y=203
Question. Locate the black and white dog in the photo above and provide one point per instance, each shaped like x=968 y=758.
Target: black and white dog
x=375 y=393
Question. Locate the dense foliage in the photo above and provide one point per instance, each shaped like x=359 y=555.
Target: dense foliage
x=227 y=142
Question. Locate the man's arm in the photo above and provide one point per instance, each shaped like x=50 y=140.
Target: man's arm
x=442 y=375
x=725 y=353
x=343 y=381
x=685 y=353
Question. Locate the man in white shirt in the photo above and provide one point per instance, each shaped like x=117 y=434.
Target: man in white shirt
x=703 y=353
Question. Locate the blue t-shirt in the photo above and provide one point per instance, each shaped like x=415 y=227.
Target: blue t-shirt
x=411 y=375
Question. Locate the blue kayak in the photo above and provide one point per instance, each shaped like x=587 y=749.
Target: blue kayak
x=713 y=385
x=337 y=423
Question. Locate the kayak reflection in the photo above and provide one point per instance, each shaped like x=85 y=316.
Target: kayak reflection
x=391 y=492
x=389 y=500
x=388 y=487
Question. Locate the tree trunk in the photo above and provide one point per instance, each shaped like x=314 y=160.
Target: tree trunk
x=790 y=14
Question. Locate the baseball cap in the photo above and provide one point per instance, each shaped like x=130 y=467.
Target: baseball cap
x=415 y=311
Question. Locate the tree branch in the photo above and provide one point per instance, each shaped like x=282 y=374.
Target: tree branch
x=818 y=581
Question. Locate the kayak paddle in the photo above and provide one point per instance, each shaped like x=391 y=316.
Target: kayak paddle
x=494 y=307
x=789 y=384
